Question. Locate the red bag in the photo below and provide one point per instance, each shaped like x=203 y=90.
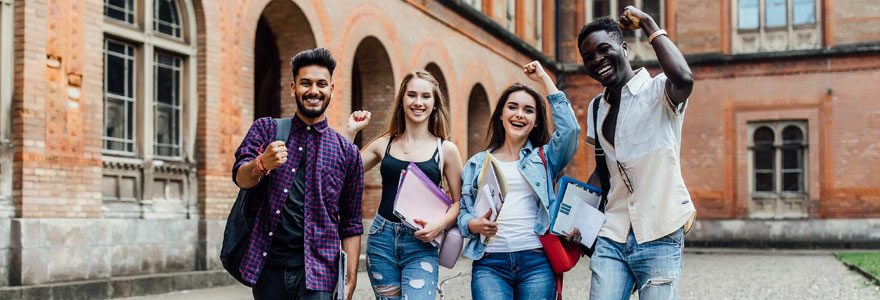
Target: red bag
x=562 y=255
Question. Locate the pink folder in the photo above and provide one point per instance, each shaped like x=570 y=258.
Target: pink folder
x=419 y=198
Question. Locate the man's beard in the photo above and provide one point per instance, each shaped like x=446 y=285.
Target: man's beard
x=311 y=113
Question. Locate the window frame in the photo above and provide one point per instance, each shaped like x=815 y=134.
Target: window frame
x=779 y=195
x=177 y=108
x=134 y=14
x=156 y=22
x=765 y=38
x=132 y=100
x=144 y=164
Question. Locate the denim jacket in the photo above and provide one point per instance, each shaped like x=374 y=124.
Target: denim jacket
x=560 y=150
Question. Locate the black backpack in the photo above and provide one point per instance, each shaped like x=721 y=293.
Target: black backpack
x=240 y=223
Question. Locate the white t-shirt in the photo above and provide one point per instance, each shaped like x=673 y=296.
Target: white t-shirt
x=516 y=223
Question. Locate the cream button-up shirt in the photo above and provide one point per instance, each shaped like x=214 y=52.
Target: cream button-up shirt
x=645 y=158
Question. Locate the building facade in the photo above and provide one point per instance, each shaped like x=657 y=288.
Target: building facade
x=120 y=117
x=780 y=136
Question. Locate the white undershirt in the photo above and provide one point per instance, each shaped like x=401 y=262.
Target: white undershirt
x=516 y=223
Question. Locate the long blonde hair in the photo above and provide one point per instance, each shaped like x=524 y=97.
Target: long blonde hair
x=438 y=122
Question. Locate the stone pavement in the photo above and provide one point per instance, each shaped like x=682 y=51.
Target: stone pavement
x=705 y=275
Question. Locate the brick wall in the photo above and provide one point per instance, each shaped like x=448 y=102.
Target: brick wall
x=841 y=154
x=57 y=146
x=226 y=79
x=856 y=22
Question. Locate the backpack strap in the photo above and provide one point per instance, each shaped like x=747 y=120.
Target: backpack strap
x=601 y=164
x=282 y=129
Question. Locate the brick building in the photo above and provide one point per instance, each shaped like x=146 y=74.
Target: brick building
x=120 y=117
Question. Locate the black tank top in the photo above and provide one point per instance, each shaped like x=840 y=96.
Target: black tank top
x=390 y=170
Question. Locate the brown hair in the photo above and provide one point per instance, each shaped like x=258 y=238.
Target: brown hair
x=438 y=121
x=539 y=134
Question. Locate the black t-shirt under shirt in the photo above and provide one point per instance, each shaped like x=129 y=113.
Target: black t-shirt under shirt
x=286 y=249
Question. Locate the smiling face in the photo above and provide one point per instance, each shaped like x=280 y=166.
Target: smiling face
x=418 y=100
x=312 y=89
x=518 y=116
x=604 y=59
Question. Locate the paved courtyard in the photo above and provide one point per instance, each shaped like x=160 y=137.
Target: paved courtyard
x=735 y=275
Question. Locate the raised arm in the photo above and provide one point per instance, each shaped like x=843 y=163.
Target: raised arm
x=563 y=141
x=370 y=154
x=680 y=80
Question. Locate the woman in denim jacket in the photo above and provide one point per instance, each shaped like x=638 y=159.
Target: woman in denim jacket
x=513 y=265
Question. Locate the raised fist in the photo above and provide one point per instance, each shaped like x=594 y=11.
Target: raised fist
x=357 y=121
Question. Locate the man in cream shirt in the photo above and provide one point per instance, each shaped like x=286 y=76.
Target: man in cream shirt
x=640 y=119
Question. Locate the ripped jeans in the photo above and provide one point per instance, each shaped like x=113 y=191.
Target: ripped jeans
x=653 y=267
x=399 y=264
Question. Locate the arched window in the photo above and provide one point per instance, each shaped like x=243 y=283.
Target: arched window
x=778 y=168
x=149 y=102
x=166 y=18
x=478 y=119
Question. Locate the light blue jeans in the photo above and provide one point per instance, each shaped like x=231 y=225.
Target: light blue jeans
x=653 y=267
x=516 y=275
x=398 y=263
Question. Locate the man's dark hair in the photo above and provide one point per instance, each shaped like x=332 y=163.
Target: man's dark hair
x=317 y=56
x=605 y=24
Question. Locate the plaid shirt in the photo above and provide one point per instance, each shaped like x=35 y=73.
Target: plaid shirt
x=334 y=186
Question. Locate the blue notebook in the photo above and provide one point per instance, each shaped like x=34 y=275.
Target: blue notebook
x=577 y=206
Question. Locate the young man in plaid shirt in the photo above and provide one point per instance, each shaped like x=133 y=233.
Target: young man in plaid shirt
x=314 y=197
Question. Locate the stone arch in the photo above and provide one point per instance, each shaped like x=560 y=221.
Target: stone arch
x=366 y=20
x=431 y=50
x=434 y=69
x=372 y=86
x=372 y=89
x=479 y=113
x=282 y=31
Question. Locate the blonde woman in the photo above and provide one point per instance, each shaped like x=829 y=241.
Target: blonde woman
x=401 y=261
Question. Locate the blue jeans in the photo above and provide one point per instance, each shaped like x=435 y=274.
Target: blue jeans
x=653 y=267
x=277 y=283
x=516 y=275
x=398 y=263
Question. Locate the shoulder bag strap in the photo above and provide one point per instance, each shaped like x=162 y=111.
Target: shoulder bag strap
x=601 y=164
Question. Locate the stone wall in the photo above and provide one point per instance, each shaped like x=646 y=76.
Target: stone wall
x=61 y=250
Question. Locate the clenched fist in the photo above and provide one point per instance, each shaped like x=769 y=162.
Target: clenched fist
x=356 y=121
x=535 y=71
x=274 y=155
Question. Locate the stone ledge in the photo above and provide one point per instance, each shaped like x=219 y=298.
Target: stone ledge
x=797 y=233
x=117 y=287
